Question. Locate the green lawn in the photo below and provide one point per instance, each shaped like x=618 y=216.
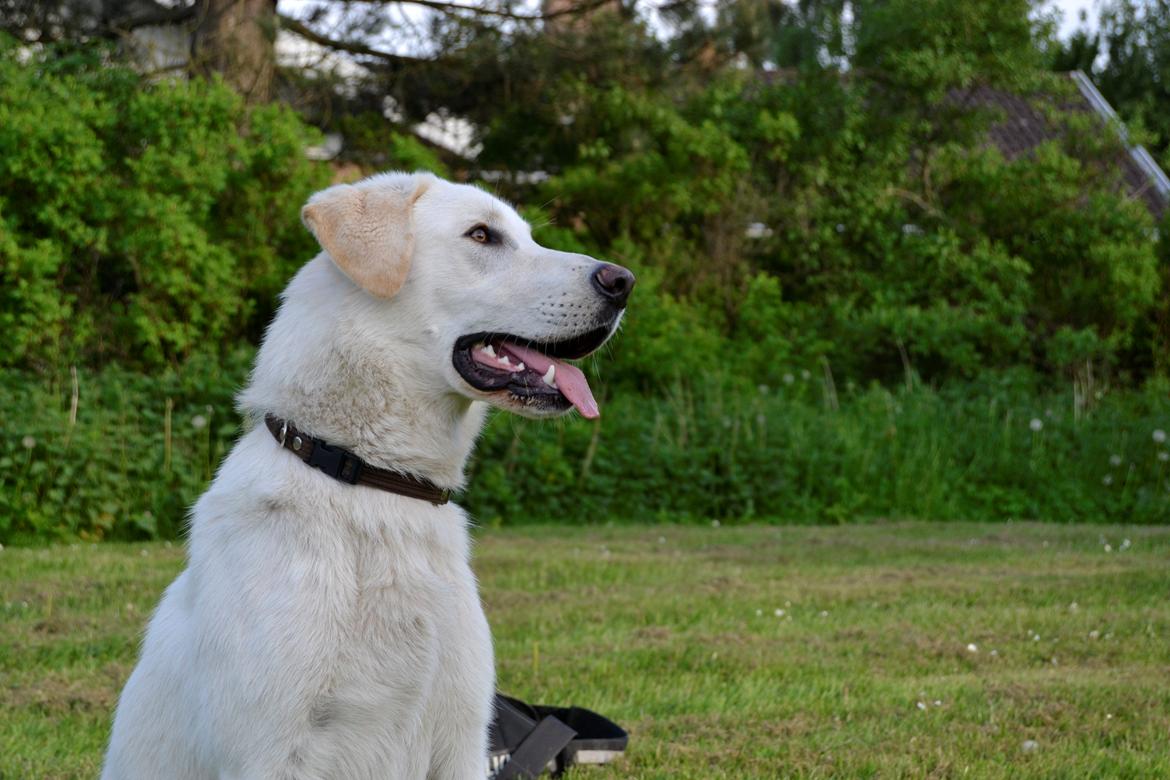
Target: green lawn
x=907 y=650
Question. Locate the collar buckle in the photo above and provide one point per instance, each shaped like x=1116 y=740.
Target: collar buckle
x=337 y=462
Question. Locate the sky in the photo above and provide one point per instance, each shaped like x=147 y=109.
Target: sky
x=1071 y=10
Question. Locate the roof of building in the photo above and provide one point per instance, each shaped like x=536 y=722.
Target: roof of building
x=1025 y=126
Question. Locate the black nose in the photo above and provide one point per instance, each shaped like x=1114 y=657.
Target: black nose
x=614 y=282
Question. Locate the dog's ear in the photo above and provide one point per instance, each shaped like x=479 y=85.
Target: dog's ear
x=368 y=231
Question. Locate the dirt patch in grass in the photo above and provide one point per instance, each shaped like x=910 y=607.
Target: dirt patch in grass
x=58 y=693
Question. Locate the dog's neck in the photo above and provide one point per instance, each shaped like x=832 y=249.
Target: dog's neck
x=322 y=368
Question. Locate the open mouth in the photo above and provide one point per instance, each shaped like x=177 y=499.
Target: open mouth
x=533 y=371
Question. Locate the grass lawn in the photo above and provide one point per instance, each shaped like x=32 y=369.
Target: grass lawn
x=908 y=650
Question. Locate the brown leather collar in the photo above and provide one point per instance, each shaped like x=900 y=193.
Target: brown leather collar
x=344 y=466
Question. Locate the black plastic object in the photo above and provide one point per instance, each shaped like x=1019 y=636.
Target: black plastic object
x=526 y=740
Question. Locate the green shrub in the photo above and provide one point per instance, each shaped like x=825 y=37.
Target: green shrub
x=113 y=453
x=140 y=221
x=796 y=451
x=786 y=453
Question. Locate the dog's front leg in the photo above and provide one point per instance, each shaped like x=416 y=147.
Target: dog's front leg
x=461 y=708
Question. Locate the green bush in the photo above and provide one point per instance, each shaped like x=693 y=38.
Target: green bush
x=796 y=451
x=801 y=452
x=894 y=233
x=140 y=221
x=113 y=453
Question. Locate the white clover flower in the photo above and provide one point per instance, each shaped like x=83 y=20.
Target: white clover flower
x=938 y=702
x=1164 y=456
x=1108 y=548
x=806 y=375
x=789 y=379
x=759 y=613
x=1073 y=607
x=198 y=421
x=824 y=613
x=763 y=389
x=779 y=613
x=921 y=705
x=1114 y=460
x=1107 y=480
x=28 y=442
x=1029 y=745
x=1094 y=634
x=1159 y=436
x=972 y=648
x=1036 y=424
x=714 y=523
x=994 y=654
x=1125 y=545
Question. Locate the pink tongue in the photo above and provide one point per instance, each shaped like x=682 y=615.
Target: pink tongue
x=570 y=381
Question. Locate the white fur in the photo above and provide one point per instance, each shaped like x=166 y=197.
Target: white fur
x=323 y=630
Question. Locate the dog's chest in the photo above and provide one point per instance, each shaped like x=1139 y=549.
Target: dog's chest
x=402 y=609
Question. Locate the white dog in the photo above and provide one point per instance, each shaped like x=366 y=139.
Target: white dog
x=332 y=630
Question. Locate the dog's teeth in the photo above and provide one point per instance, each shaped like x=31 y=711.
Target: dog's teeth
x=550 y=376
x=489 y=350
x=520 y=367
x=504 y=359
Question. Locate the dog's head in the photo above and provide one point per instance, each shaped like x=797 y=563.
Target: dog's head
x=501 y=313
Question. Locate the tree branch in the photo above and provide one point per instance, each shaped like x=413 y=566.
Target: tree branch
x=146 y=13
x=55 y=20
x=352 y=47
x=583 y=7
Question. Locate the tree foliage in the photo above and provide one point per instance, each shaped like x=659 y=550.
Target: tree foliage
x=1127 y=53
x=809 y=179
x=139 y=222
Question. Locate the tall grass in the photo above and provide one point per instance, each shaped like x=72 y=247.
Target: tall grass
x=988 y=451
x=121 y=455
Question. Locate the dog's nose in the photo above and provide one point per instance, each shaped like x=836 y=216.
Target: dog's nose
x=614 y=282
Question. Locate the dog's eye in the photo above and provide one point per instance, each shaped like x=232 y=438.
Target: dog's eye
x=481 y=234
